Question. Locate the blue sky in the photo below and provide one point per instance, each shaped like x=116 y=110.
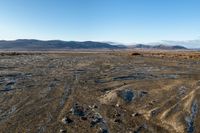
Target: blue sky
x=100 y=20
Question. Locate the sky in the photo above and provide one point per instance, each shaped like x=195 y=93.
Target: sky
x=127 y=21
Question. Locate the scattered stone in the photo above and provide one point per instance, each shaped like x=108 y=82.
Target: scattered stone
x=135 y=114
x=117 y=115
x=117 y=120
x=95 y=106
x=78 y=110
x=104 y=131
x=67 y=120
x=97 y=118
x=139 y=129
x=63 y=131
x=117 y=105
x=12 y=82
x=152 y=102
x=84 y=118
x=154 y=112
x=182 y=90
x=9 y=86
x=143 y=93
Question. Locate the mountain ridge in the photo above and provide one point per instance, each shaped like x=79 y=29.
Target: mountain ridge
x=34 y=44
x=159 y=46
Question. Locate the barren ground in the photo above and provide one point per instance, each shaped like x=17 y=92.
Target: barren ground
x=89 y=92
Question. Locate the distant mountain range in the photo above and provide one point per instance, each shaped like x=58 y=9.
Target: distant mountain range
x=32 y=44
x=24 y=44
x=160 y=46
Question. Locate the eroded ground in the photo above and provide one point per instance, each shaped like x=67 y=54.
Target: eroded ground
x=115 y=92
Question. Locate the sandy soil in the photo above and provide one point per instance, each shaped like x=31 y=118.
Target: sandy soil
x=89 y=92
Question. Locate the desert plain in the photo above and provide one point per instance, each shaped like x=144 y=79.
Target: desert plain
x=100 y=92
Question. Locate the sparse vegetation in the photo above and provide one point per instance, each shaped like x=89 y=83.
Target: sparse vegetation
x=88 y=92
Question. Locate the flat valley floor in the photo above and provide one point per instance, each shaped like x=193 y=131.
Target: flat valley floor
x=100 y=92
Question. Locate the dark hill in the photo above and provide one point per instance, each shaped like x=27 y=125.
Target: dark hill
x=24 y=44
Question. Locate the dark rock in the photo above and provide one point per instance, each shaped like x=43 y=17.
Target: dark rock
x=67 y=120
x=151 y=104
x=105 y=90
x=11 y=83
x=127 y=95
x=104 y=131
x=182 y=90
x=143 y=93
x=95 y=106
x=136 y=114
x=9 y=86
x=84 y=118
x=118 y=120
x=78 y=110
x=140 y=128
x=154 y=112
x=117 y=114
x=63 y=131
x=135 y=54
x=95 y=121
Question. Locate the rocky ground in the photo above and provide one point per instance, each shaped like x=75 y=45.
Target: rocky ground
x=100 y=92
